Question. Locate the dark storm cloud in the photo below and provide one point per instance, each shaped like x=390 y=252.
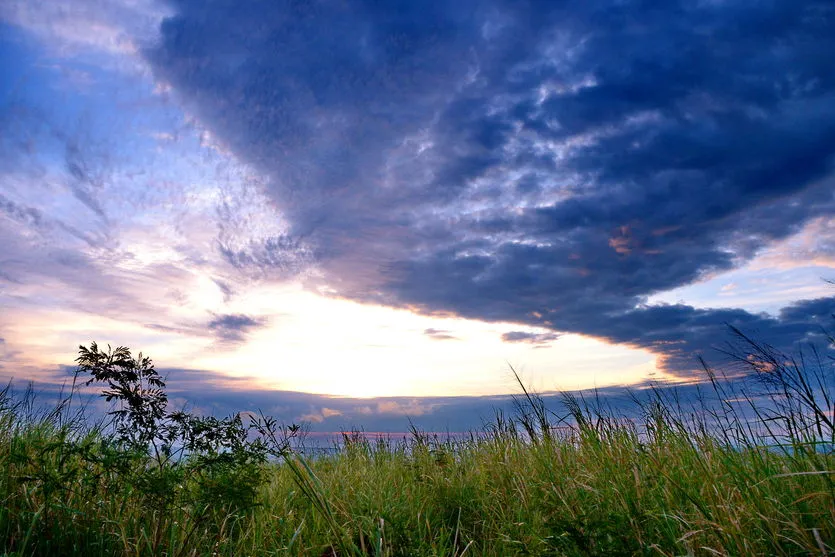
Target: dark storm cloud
x=545 y=163
x=233 y=328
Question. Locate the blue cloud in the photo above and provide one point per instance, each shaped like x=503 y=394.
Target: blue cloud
x=234 y=327
x=546 y=163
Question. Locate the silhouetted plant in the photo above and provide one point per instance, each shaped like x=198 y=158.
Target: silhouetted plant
x=800 y=388
x=211 y=467
x=135 y=384
x=531 y=413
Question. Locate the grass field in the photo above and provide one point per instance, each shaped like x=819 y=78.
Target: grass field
x=695 y=479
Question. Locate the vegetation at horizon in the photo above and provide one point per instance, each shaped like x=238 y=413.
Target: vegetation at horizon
x=751 y=474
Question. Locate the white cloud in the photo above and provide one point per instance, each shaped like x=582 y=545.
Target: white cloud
x=115 y=29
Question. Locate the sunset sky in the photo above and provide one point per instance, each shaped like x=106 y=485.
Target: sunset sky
x=305 y=206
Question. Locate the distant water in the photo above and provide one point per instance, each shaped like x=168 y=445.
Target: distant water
x=325 y=443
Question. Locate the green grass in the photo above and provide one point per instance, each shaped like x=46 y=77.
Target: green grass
x=697 y=481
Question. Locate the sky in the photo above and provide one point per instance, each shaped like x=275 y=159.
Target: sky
x=354 y=213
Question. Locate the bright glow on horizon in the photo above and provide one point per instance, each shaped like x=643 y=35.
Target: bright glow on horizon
x=332 y=346
x=323 y=345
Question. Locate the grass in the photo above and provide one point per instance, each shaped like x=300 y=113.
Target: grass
x=749 y=475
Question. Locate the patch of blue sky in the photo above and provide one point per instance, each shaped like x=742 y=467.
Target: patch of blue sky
x=752 y=289
x=134 y=151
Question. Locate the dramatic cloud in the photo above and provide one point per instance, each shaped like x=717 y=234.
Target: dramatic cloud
x=546 y=163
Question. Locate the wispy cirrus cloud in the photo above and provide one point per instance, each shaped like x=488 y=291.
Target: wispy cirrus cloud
x=112 y=29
